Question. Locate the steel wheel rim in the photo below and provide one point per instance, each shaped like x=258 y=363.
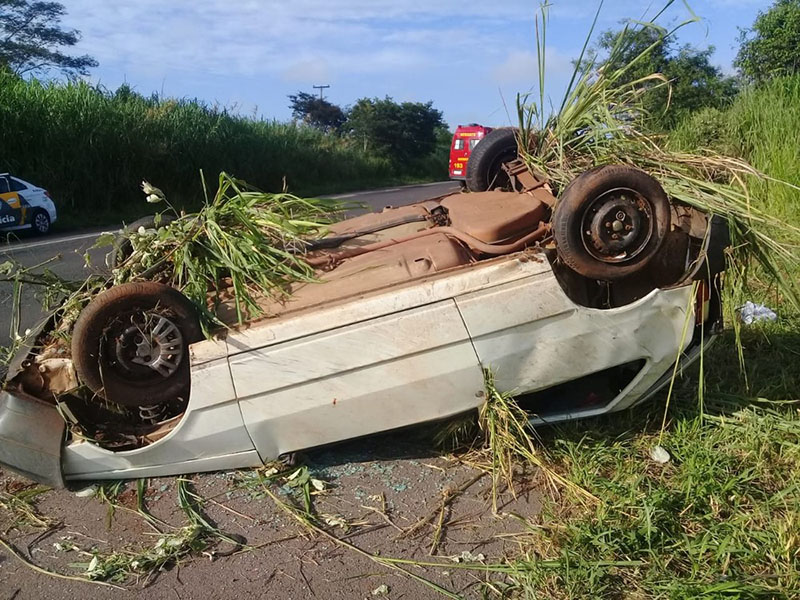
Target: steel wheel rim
x=617 y=225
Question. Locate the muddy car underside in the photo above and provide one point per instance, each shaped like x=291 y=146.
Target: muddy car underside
x=411 y=305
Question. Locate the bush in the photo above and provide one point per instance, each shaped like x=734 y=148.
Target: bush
x=705 y=128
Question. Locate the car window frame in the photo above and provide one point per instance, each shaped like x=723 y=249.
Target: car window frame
x=19 y=187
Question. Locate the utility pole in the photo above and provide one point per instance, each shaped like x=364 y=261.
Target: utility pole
x=320 y=88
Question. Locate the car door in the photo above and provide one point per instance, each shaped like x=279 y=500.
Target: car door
x=11 y=214
x=376 y=374
x=535 y=337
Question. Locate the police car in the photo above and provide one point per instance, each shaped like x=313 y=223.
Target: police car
x=24 y=206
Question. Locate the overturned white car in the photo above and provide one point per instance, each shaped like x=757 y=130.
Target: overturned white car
x=579 y=306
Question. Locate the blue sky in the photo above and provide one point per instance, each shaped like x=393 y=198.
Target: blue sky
x=470 y=58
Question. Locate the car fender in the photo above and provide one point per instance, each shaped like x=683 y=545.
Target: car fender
x=31 y=437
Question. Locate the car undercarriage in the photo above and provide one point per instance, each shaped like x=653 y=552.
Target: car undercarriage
x=579 y=306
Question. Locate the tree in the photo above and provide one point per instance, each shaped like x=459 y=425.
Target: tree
x=405 y=131
x=31 y=37
x=693 y=81
x=316 y=112
x=770 y=48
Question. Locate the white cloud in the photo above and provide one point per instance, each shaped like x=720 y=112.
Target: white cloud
x=519 y=66
x=522 y=67
x=307 y=70
x=460 y=54
x=251 y=37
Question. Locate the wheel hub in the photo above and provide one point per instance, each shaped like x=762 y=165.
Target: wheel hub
x=617 y=225
x=41 y=222
x=151 y=343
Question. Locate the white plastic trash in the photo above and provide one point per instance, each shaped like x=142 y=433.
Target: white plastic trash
x=750 y=313
x=659 y=454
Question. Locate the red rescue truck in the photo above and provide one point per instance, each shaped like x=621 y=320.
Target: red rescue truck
x=464 y=141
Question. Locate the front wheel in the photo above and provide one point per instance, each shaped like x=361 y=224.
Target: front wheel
x=610 y=222
x=130 y=345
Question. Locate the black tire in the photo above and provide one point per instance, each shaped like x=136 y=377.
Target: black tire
x=40 y=222
x=610 y=222
x=484 y=167
x=122 y=247
x=107 y=341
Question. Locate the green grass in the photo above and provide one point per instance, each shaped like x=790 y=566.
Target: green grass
x=720 y=520
x=762 y=126
x=197 y=535
x=92 y=148
x=604 y=120
x=20 y=504
x=243 y=240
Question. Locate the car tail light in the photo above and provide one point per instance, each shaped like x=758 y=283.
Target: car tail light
x=702 y=302
x=46 y=193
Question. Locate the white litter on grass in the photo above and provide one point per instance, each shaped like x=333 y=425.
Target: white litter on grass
x=467 y=556
x=65 y=546
x=335 y=521
x=750 y=313
x=92 y=567
x=381 y=590
x=659 y=454
x=87 y=492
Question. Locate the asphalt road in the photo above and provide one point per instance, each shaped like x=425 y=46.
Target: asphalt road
x=68 y=249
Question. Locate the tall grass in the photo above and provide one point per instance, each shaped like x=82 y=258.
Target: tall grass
x=90 y=148
x=761 y=126
x=241 y=239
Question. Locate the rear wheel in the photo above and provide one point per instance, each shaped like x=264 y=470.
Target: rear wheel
x=40 y=222
x=485 y=165
x=130 y=344
x=610 y=222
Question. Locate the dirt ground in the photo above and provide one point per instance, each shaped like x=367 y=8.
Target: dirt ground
x=379 y=486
